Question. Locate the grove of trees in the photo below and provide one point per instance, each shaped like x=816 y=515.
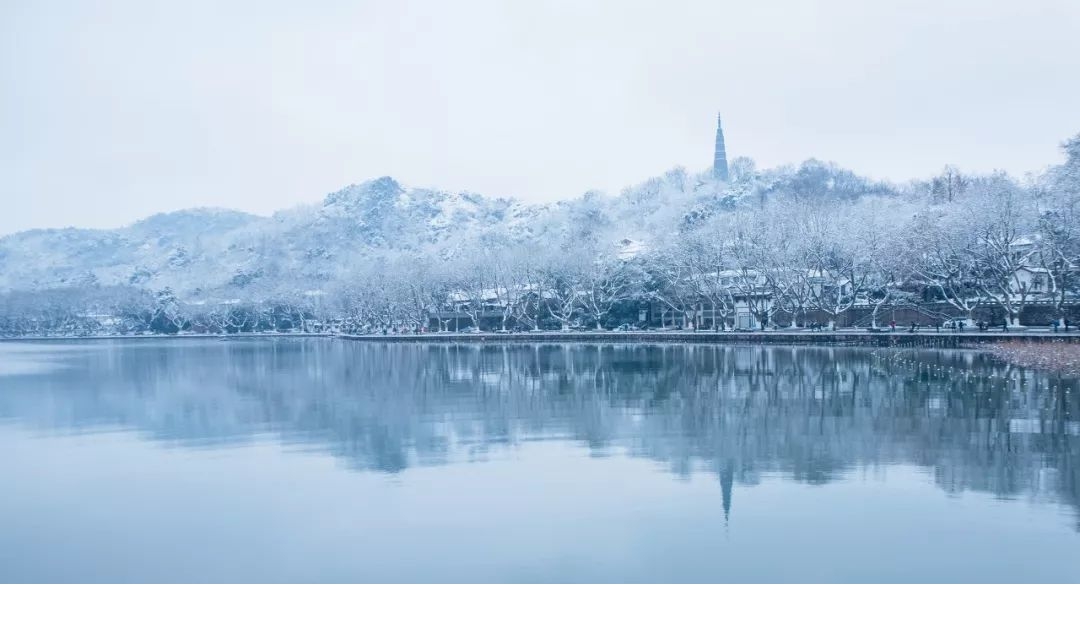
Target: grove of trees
x=796 y=244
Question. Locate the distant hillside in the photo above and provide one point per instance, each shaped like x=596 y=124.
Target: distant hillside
x=217 y=253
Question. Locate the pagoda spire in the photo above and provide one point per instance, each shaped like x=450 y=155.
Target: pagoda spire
x=719 y=166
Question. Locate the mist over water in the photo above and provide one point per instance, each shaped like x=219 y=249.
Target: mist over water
x=291 y=459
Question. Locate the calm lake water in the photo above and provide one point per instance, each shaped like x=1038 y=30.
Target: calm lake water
x=324 y=460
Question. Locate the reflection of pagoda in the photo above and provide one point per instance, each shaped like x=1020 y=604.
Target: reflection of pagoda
x=719 y=165
x=727 y=479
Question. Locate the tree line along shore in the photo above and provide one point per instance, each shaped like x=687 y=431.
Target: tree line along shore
x=810 y=247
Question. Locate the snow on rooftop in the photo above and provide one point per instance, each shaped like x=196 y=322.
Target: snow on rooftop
x=630 y=248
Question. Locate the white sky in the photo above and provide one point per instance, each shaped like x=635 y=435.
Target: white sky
x=114 y=110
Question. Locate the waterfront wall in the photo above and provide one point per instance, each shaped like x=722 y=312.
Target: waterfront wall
x=869 y=339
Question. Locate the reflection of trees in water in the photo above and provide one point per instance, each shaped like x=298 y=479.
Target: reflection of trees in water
x=809 y=414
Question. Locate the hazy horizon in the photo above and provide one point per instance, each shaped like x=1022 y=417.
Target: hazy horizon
x=117 y=111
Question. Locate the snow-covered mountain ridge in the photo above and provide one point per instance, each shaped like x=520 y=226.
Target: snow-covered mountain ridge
x=206 y=251
x=218 y=253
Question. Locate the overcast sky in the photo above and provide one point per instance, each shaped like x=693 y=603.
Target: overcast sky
x=114 y=110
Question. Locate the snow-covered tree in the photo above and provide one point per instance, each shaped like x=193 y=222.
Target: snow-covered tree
x=1058 y=227
x=1002 y=219
x=606 y=280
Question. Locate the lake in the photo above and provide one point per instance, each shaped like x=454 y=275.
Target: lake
x=317 y=460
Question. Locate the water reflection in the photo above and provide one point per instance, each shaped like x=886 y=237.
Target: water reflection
x=811 y=415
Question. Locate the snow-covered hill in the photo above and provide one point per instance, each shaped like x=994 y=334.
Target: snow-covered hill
x=217 y=253
x=206 y=250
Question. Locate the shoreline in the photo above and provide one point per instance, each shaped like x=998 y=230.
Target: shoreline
x=780 y=337
x=836 y=338
x=164 y=336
